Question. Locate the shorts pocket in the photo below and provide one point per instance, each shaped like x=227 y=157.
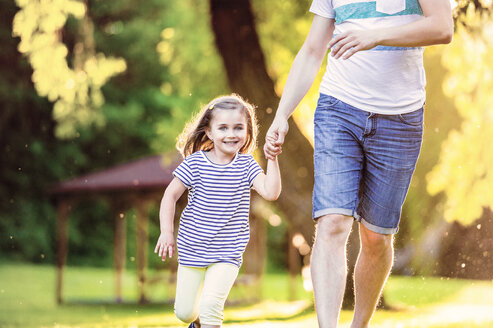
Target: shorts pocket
x=327 y=101
x=414 y=118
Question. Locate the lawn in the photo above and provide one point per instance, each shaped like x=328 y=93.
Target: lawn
x=27 y=300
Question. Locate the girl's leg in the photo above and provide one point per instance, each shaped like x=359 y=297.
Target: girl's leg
x=189 y=283
x=219 y=279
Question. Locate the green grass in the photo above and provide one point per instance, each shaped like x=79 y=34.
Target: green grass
x=27 y=300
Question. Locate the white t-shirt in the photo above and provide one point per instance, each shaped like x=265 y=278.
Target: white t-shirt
x=214 y=225
x=384 y=80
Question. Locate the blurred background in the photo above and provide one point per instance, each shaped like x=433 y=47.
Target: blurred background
x=86 y=86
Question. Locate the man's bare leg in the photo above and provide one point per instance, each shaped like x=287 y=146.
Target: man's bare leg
x=372 y=269
x=328 y=266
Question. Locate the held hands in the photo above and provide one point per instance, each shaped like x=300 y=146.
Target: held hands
x=165 y=245
x=271 y=149
x=275 y=138
x=348 y=43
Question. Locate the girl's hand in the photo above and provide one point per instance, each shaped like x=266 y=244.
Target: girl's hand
x=270 y=145
x=165 y=245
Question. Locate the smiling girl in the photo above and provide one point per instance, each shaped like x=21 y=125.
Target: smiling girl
x=218 y=172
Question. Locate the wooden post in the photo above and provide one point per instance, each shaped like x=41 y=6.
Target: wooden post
x=119 y=250
x=63 y=211
x=142 y=238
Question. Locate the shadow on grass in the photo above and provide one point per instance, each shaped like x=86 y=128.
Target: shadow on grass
x=112 y=303
x=307 y=310
x=155 y=308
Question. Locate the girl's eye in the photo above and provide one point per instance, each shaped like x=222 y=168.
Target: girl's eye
x=222 y=128
x=239 y=128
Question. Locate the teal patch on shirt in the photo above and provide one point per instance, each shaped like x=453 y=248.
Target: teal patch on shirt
x=362 y=10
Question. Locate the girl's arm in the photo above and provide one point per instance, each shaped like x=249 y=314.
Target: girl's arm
x=269 y=185
x=166 y=242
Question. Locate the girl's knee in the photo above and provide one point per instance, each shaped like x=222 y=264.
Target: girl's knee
x=186 y=314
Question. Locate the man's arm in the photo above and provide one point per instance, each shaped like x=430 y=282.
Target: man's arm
x=301 y=76
x=435 y=27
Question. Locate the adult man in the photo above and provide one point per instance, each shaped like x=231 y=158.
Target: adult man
x=368 y=130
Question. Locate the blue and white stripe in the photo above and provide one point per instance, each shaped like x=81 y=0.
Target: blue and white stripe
x=214 y=225
x=368 y=9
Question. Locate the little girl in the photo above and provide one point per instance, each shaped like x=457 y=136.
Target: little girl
x=218 y=172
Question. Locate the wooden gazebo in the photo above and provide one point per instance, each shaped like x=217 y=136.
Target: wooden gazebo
x=137 y=185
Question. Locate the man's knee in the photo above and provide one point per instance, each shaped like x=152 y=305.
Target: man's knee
x=376 y=243
x=333 y=228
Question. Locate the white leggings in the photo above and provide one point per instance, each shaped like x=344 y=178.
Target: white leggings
x=202 y=292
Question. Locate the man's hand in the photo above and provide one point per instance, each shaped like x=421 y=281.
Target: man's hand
x=271 y=149
x=275 y=138
x=348 y=43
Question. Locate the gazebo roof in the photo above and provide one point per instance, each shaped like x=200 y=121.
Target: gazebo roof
x=143 y=174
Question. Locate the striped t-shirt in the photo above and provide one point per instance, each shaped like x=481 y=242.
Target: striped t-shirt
x=384 y=80
x=214 y=225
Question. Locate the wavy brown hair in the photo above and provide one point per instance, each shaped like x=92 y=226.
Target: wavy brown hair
x=194 y=137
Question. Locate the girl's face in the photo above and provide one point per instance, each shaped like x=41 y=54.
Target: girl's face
x=228 y=131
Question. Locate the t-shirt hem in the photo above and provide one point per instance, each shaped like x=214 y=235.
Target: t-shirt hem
x=374 y=109
x=321 y=13
x=193 y=265
x=182 y=179
x=254 y=176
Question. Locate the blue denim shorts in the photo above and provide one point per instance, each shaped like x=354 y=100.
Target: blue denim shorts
x=364 y=162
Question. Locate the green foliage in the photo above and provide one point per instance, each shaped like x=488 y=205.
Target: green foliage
x=277 y=246
x=464 y=172
x=76 y=92
x=195 y=73
x=90 y=229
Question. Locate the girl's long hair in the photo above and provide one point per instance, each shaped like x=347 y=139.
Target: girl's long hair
x=193 y=138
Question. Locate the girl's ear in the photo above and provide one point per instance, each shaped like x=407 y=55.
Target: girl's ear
x=208 y=133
